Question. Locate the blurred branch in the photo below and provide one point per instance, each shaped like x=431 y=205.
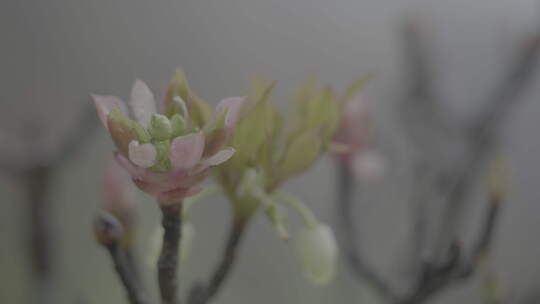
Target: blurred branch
x=36 y=182
x=483 y=137
x=448 y=266
x=200 y=293
x=36 y=173
x=73 y=140
x=349 y=246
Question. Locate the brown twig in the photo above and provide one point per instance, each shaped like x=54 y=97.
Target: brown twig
x=126 y=275
x=201 y=293
x=108 y=232
x=168 y=260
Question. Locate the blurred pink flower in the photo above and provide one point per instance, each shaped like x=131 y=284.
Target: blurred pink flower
x=355 y=134
x=354 y=131
x=118 y=194
x=165 y=154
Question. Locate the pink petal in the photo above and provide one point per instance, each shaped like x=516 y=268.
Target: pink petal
x=134 y=172
x=117 y=191
x=220 y=157
x=186 y=151
x=232 y=106
x=105 y=104
x=142 y=102
x=143 y=155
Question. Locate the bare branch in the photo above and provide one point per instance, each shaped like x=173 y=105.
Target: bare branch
x=108 y=231
x=200 y=293
x=484 y=134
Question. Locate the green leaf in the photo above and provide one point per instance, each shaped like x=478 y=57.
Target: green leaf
x=254 y=129
x=301 y=153
x=354 y=87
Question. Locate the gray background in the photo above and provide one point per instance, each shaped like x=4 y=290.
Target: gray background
x=54 y=53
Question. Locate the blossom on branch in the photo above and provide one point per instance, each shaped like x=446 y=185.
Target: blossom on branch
x=168 y=153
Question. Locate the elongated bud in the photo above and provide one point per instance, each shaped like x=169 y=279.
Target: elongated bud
x=317 y=251
x=160 y=127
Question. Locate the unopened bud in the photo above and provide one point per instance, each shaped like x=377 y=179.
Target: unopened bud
x=178 y=125
x=160 y=127
x=317 y=251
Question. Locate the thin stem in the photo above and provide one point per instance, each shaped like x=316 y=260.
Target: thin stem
x=126 y=274
x=168 y=260
x=307 y=215
x=201 y=294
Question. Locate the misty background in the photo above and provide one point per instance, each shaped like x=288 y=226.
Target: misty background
x=55 y=53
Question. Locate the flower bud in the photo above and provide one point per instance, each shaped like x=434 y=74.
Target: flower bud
x=178 y=125
x=317 y=251
x=160 y=127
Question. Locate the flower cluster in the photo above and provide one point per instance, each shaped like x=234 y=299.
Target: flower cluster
x=270 y=150
x=168 y=153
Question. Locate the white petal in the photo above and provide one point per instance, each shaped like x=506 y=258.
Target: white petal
x=142 y=102
x=186 y=151
x=219 y=157
x=105 y=104
x=143 y=155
